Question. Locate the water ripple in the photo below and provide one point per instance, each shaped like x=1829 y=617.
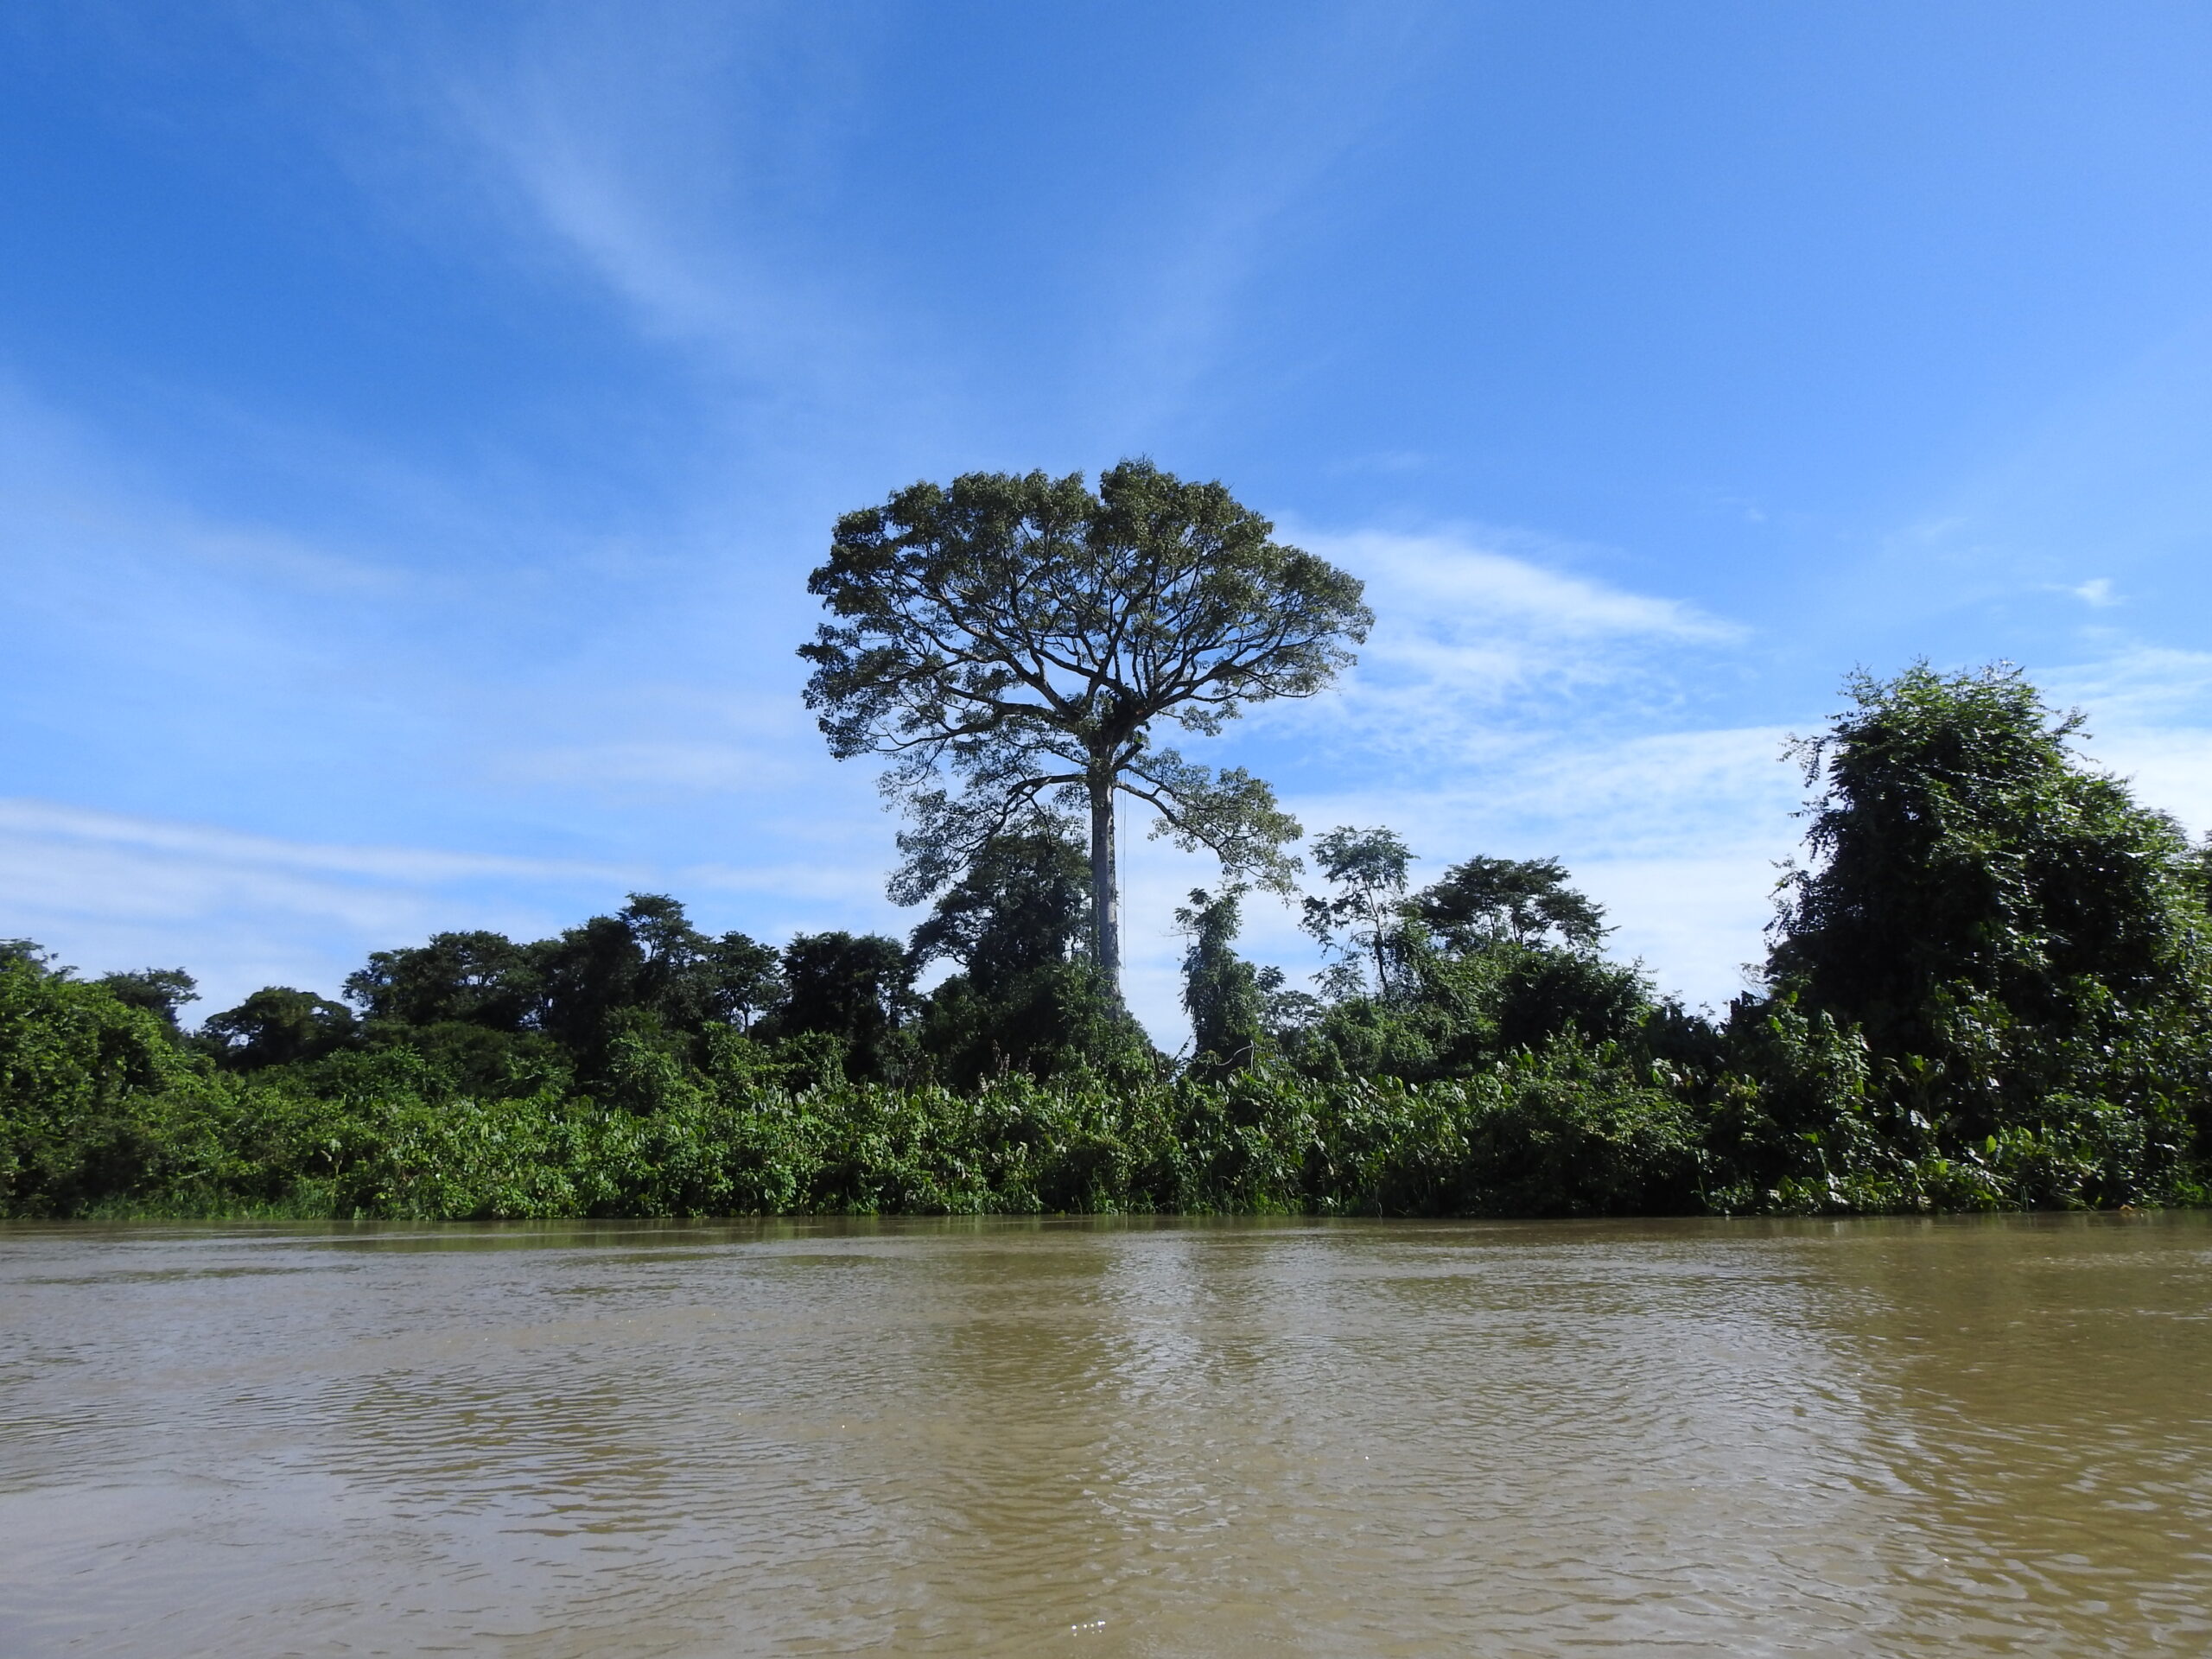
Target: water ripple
x=1130 y=1438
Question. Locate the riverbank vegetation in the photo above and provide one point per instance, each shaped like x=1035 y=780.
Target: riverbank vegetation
x=1987 y=987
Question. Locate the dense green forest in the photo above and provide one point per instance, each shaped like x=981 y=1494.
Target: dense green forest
x=1987 y=986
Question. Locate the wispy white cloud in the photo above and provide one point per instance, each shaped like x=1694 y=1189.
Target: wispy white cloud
x=1509 y=704
x=2096 y=592
x=1467 y=580
x=2134 y=684
x=625 y=136
x=684 y=156
x=685 y=153
x=241 y=909
x=2149 y=713
x=211 y=846
x=1489 y=647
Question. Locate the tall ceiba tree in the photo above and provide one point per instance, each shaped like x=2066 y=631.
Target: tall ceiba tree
x=1007 y=643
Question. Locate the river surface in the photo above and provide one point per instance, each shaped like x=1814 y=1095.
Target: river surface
x=1155 y=1438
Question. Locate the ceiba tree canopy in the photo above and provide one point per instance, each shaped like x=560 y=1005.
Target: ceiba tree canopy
x=1008 y=642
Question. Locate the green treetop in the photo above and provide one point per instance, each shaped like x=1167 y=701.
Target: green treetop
x=1007 y=645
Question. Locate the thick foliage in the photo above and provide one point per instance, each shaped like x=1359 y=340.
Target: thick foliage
x=1991 y=988
x=277 y=1026
x=1020 y=906
x=1526 y=901
x=2006 y=927
x=93 y=1093
x=577 y=990
x=857 y=989
x=1026 y=999
x=100 y=1114
x=162 y=992
x=1224 y=994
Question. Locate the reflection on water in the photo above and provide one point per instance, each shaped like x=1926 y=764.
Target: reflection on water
x=1903 y=1438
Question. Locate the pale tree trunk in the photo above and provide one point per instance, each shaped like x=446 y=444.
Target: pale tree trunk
x=1105 y=887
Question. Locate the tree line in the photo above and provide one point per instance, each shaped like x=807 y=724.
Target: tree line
x=1987 y=982
x=1025 y=995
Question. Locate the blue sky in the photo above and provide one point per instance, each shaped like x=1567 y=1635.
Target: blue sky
x=417 y=420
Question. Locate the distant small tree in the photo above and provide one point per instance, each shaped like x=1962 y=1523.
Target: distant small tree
x=857 y=988
x=29 y=954
x=1526 y=901
x=745 y=980
x=1367 y=869
x=1026 y=999
x=161 y=991
x=1226 y=997
x=277 y=1026
x=477 y=978
x=1020 y=906
x=1020 y=636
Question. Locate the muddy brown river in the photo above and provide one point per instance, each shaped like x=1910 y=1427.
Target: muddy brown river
x=1108 y=1438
